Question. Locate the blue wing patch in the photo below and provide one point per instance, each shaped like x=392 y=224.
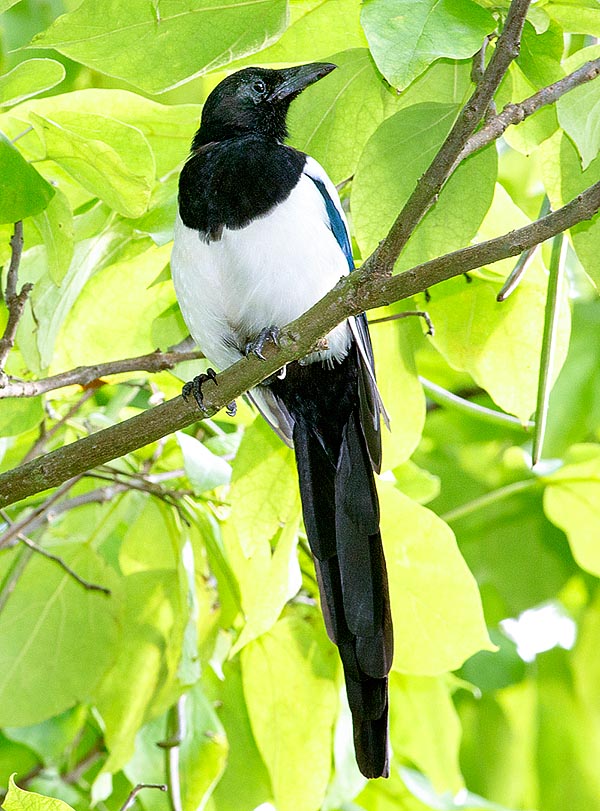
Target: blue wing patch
x=336 y=223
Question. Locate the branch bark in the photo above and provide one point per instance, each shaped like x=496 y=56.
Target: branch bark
x=15 y=302
x=362 y=290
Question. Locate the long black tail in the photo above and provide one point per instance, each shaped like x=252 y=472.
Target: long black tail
x=341 y=516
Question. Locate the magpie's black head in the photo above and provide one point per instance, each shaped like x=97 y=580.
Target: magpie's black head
x=255 y=101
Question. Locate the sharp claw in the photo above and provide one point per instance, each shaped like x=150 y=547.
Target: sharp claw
x=231 y=409
x=194 y=387
x=256 y=346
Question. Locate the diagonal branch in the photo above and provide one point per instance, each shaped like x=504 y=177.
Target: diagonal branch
x=431 y=183
x=516 y=113
x=362 y=290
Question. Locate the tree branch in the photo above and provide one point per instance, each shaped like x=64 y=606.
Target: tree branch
x=362 y=290
x=441 y=167
x=15 y=302
x=86 y=375
x=516 y=113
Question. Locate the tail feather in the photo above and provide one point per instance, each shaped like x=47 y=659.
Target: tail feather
x=341 y=516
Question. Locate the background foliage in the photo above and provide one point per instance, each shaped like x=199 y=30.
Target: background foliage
x=207 y=667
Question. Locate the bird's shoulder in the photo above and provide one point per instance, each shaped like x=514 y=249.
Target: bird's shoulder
x=227 y=184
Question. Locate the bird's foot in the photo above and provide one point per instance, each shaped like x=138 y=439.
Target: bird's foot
x=195 y=387
x=256 y=346
x=231 y=409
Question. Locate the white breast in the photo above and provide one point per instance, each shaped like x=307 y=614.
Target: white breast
x=265 y=274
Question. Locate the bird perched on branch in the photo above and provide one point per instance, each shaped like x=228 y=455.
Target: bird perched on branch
x=260 y=237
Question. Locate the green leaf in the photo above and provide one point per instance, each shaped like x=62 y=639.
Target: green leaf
x=19 y=800
x=529 y=134
x=405 y=37
x=476 y=333
x=416 y=482
x=156 y=47
x=575 y=16
x=112 y=160
x=264 y=491
x=20 y=415
x=41 y=642
x=267 y=578
x=203 y=751
x=333 y=122
x=147 y=657
x=427 y=574
x=579 y=110
x=392 y=162
x=23 y=191
x=425 y=729
x=395 y=361
x=204 y=469
x=6 y=4
x=28 y=79
x=572 y=502
x=55 y=226
x=292 y=702
x=327 y=27
x=104 y=300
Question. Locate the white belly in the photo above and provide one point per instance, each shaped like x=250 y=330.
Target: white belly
x=266 y=274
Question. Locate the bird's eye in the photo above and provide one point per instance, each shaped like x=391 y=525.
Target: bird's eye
x=259 y=86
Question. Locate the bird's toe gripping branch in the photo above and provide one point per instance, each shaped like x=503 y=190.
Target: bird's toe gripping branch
x=195 y=387
x=256 y=345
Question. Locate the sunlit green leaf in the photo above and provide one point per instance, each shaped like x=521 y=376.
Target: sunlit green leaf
x=292 y=701
x=158 y=46
x=55 y=226
x=19 y=800
x=204 y=469
x=28 y=79
x=406 y=37
x=54 y=631
x=427 y=574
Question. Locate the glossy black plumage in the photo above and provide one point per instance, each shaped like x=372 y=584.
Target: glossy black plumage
x=238 y=174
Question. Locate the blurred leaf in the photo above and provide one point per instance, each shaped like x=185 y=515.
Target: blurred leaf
x=406 y=37
x=492 y=671
x=55 y=226
x=51 y=738
x=112 y=160
x=292 y=702
x=572 y=502
x=392 y=162
x=28 y=79
x=264 y=492
x=476 y=333
x=427 y=573
x=334 y=121
x=203 y=751
x=204 y=469
x=579 y=110
x=19 y=415
x=23 y=191
x=415 y=482
x=245 y=781
x=576 y=16
x=156 y=48
x=19 y=800
x=53 y=631
x=424 y=728
x=400 y=388
x=267 y=579
x=106 y=300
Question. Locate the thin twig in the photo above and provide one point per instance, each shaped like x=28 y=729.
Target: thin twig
x=40 y=512
x=15 y=302
x=359 y=291
x=39 y=445
x=131 y=799
x=44 y=552
x=478 y=71
x=419 y=313
x=514 y=277
x=516 y=113
x=86 y=375
x=441 y=167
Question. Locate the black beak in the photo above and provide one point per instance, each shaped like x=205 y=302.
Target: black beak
x=294 y=80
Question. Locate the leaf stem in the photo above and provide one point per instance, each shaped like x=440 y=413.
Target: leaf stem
x=443 y=397
x=488 y=499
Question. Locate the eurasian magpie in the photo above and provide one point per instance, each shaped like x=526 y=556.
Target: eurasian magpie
x=260 y=237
